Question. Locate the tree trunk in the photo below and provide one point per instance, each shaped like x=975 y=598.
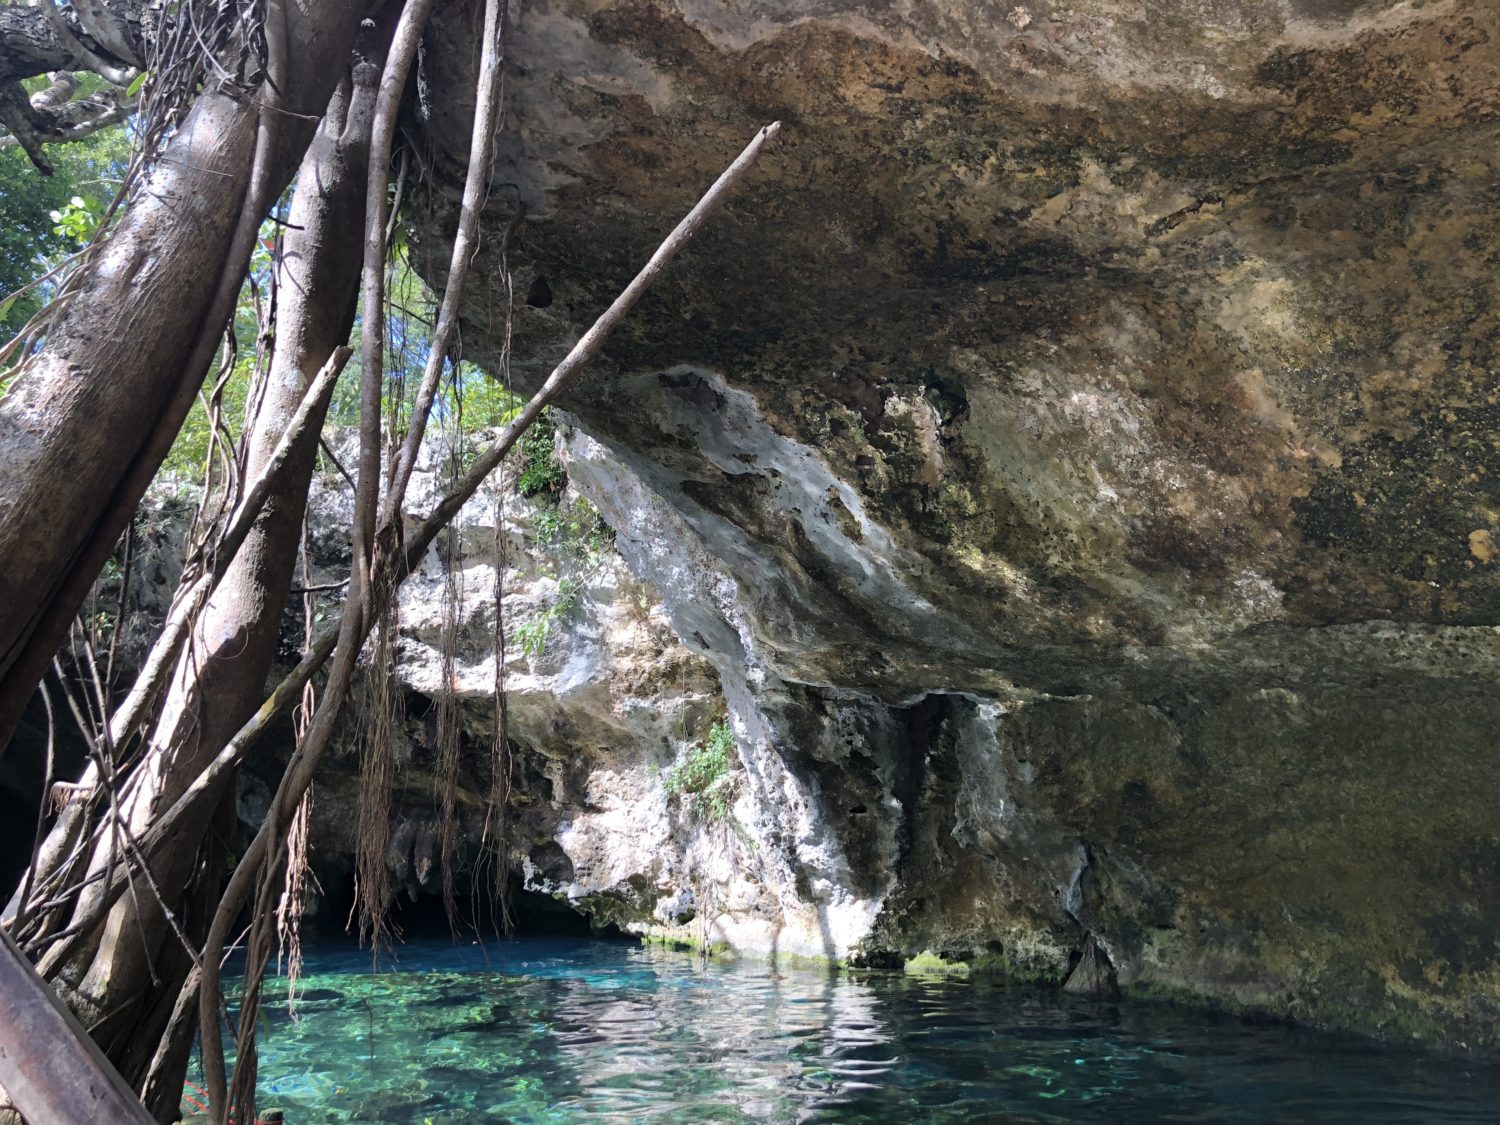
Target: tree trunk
x=89 y=419
x=220 y=676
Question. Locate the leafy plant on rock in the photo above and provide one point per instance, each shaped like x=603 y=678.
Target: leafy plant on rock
x=542 y=473
x=576 y=530
x=532 y=635
x=706 y=781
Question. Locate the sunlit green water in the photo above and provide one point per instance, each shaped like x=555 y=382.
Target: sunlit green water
x=562 y=1030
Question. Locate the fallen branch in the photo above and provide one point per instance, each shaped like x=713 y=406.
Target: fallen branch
x=589 y=344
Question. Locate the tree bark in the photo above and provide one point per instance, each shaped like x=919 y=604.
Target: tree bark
x=89 y=419
x=32 y=43
x=64 y=1077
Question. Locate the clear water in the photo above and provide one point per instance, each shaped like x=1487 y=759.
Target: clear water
x=565 y=1030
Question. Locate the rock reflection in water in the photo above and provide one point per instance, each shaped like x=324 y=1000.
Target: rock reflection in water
x=778 y=1046
x=548 y=1030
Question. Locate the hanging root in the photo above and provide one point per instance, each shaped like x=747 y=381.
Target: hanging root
x=294 y=890
x=496 y=841
x=384 y=719
x=293 y=898
x=449 y=720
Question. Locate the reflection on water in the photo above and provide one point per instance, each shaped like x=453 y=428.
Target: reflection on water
x=550 y=1030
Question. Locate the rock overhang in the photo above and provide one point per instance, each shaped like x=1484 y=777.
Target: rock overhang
x=1130 y=329
x=1135 y=367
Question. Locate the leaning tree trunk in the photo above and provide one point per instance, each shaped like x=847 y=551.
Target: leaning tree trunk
x=90 y=418
x=220 y=676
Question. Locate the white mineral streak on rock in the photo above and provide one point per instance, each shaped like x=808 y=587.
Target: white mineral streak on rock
x=790 y=890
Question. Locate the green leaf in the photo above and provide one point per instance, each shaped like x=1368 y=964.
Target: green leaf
x=135 y=87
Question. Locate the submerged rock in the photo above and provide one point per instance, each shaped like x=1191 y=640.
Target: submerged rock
x=1094 y=975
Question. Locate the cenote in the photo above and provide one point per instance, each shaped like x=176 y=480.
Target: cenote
x=989 y=493
x=563 y=1029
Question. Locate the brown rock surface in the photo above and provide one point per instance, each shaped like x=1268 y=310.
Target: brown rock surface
x=1076 y=453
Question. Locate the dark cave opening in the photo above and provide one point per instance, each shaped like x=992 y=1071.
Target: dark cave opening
x=533 y=914
x=23 y=773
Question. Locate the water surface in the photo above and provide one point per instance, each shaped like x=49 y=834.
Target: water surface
x=577 y=1030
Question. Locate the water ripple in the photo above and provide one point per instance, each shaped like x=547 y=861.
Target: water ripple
x=569 y=1031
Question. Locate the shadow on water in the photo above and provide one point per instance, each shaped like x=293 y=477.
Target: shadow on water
x=571 y=1028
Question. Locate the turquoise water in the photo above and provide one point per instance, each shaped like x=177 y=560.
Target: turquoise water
x=565 y=1030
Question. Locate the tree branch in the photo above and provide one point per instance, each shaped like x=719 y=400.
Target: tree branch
x=108 y=23
x=39 y=39
x=56 y=95
x=16 y=113
x=44 y=39
x=83 y=57
x=465 y=245
x=359 y=615
x=30 y=45
x=51 y=123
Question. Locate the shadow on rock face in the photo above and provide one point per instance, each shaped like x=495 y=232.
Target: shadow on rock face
x=1138 y=354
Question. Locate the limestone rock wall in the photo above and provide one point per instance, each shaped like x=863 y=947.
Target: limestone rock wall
x=1074 y=456
x=599 y=711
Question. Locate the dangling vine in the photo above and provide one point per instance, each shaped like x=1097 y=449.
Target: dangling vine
x=449 y=720
x=383 y=720
x=496 y=836
x=289 y=909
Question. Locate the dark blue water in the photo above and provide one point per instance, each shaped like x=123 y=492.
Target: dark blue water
x=558 y=1030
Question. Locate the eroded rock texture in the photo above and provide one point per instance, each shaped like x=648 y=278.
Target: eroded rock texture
x=1075 y=455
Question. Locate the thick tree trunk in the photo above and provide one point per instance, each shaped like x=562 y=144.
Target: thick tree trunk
x=220 y=676
x=89 y=419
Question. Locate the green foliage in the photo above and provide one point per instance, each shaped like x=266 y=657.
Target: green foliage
x=186 y=458
x=411 y=310
x=189 y=451
x=29 y=237
x=574 y=533
x=479 y=402
x=532 y=635
x=706 y=779
x=78 y=219
x=542 y=473
x=468 y=401
x=32 y=240
x=576 y=530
